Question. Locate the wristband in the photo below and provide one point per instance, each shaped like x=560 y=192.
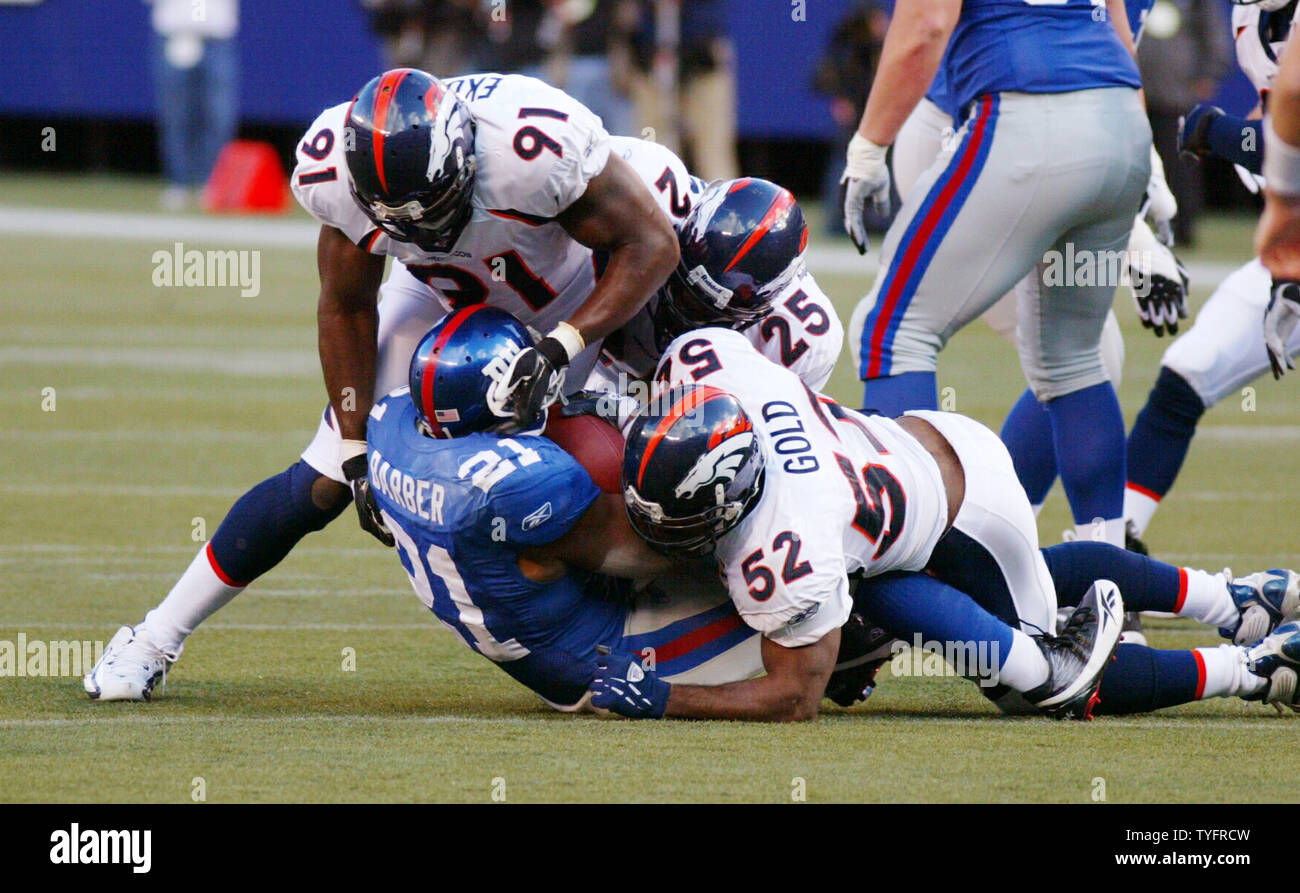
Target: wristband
x=351 y=449
x=568 y=338
x=1281 y=167
x=864 y=158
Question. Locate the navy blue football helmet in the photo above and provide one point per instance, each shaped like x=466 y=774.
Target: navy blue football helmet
x=692 y=469
x=410 y=153
x=453 y=366
x=742 y=245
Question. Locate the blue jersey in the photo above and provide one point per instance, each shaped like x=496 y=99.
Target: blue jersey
x=1014 y=45
x=462 y=511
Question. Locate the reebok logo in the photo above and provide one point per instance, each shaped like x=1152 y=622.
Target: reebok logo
x=537 y=517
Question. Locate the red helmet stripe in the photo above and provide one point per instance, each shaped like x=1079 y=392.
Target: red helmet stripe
x=782 y=203
x=384 y=93
x=431 y=364
x=694 y=398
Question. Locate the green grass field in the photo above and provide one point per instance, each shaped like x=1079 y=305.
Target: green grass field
x=168 y=403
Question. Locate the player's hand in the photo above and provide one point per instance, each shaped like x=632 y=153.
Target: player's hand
x=530 y=383
x=625 y=687
x=1194 y=129
x=1279 y=323
x=864 y=649
x=357 y=475
x=1160 y=207
x=1158 y=281
x=865 y=179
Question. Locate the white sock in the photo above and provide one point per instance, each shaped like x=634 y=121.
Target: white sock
x=1025 y=667
x=1139 y=507
x=1204 y=598
x=1108 y=531
x=1226 y=673
x=197 y=595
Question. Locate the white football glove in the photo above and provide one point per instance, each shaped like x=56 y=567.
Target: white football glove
x=865 y=178
x=1160 y=207
x=1280 y=320
x=1158 y=281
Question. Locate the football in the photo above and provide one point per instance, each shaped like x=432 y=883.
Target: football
x=595 y=443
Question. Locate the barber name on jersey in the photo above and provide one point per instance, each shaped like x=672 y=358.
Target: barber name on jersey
x=1259 y=37
x=843 y=492
x=536 y=149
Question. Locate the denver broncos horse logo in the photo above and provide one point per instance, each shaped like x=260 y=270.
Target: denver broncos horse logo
x=720 y=464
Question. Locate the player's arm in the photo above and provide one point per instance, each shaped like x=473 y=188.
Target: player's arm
x=617 y=215
x=1277 y=239
x=791 y=691
x=601 y=541
x=347 y=322
x=914 y=45
x=917 y=36
x=347 y=319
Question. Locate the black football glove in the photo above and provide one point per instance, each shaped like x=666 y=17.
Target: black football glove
x=357 y=475
x=864 y=648
x=532 y=383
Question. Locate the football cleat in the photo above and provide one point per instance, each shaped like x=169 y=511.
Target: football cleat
x=1078 y=656
x=130 y=669
x=1264 y=599
x=1277 y=658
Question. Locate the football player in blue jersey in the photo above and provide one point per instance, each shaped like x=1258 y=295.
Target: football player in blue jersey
x=507 y=539
x=1048 y=167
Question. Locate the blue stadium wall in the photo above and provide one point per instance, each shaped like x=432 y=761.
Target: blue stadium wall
x=89 y=59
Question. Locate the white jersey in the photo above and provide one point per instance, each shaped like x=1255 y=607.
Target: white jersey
x=843 y=492
x=512 y=253
x=1259 y=38
x=802 y=333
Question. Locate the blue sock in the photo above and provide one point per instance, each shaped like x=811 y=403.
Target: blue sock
x=1142 y=679
x=1163 y=431
x=1088 y=436
x=910 y=603
x=1146 y=584
x=896 y=394
x=266 y=523
x=1027 y=432
x=1228 y=135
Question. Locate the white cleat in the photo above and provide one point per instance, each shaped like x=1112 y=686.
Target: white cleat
x=129 y=670
x=1265 y=599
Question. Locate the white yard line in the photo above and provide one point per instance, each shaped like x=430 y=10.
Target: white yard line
x=280 y=363
x=164 y=229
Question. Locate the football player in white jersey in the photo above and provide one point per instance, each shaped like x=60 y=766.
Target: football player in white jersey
x=490 y=187
x=1236 y=337
x=794 y=493
x=509 y=252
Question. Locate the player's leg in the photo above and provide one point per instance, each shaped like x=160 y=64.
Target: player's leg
x=1060 y=336
x=1221 y=353
x=918 y=144
x=686 y=629
x=1027 y=431
x=991 y=551
x=972 y=226
x=264 y=524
